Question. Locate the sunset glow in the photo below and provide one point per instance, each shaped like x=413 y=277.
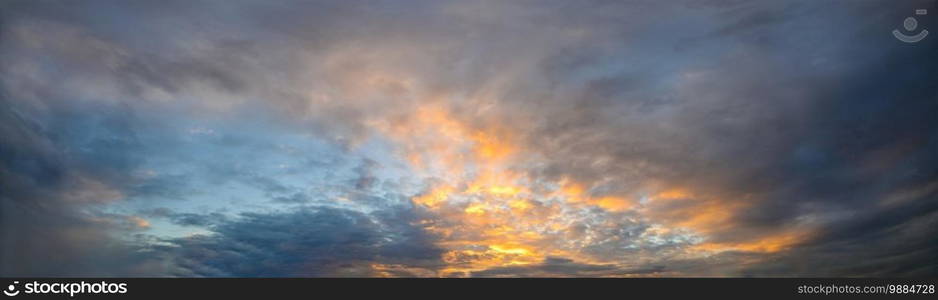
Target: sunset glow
x=465 y=139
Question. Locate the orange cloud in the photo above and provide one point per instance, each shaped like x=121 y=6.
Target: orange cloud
x=493 y=215
x=767 y=244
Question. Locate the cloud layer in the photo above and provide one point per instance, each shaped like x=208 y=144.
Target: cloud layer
x=466 y=138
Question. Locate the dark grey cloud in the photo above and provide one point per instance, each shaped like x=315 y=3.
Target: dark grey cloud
x=186 y=219
x=307 y=242
x=45 y=229
x=891 y=241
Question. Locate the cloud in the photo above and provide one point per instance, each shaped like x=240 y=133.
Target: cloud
x=307 y=242
x=554 y=267
x=479 y=138
x=187 y=219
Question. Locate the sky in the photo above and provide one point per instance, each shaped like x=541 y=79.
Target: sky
x=635 y=138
